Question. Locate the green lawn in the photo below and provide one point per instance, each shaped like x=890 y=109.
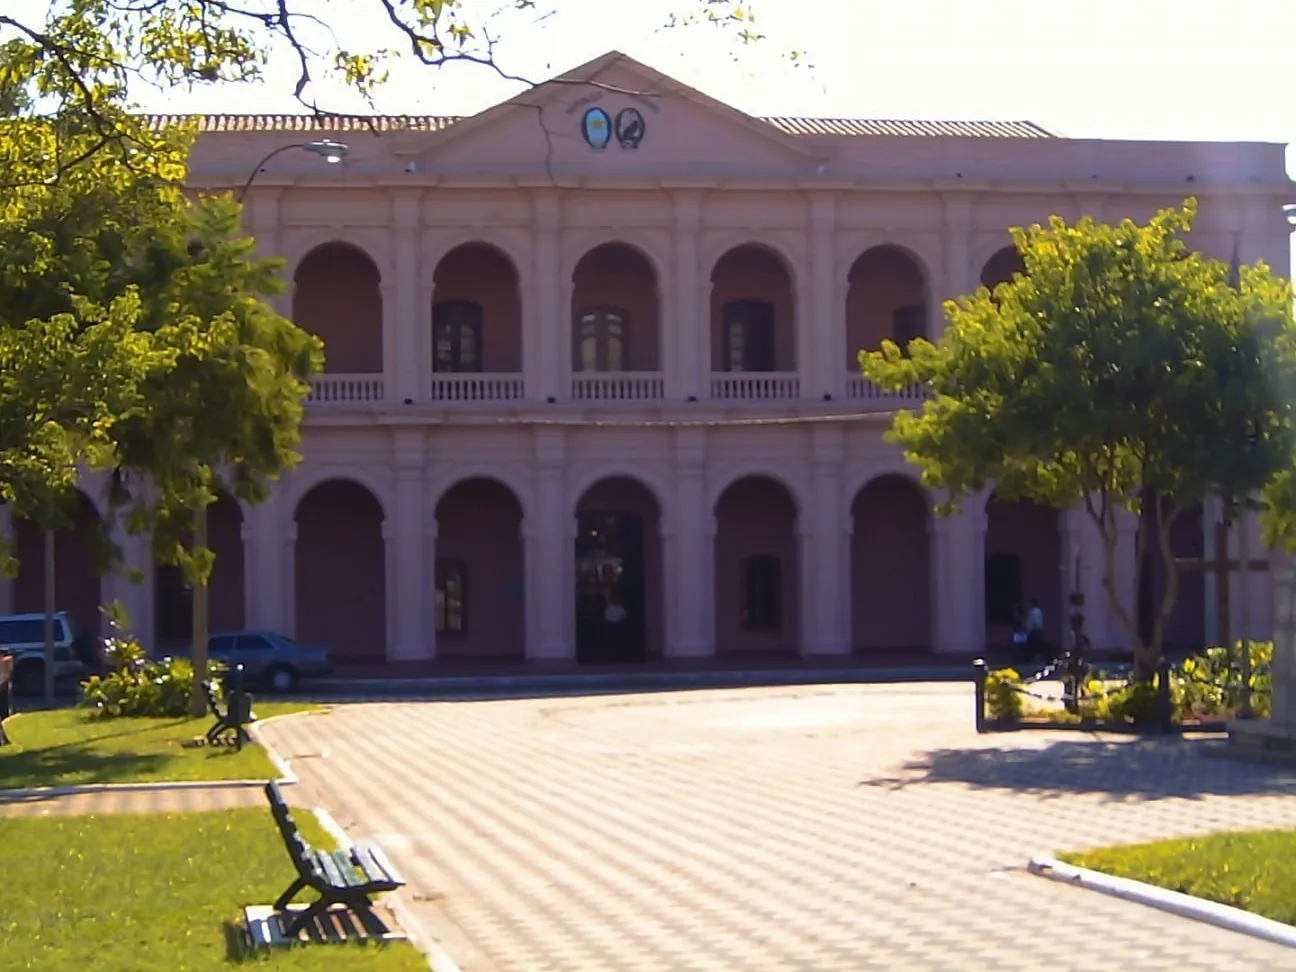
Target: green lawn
x=1248 y=869
x=156 y=893
x=59 y=747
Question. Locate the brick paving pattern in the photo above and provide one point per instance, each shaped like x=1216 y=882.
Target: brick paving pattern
x=770 y=830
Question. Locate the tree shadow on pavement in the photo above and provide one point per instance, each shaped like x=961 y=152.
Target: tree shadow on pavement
x=1137 y=770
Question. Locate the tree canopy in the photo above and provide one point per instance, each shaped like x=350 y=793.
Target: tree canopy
x=1120 y=366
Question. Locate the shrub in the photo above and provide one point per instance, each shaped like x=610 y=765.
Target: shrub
x=1210 y=684
x=135 y=685
x=1003 y=700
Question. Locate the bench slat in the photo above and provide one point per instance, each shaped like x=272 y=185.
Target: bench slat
x=371 y=859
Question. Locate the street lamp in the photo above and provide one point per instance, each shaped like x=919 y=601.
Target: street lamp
x=330 y=151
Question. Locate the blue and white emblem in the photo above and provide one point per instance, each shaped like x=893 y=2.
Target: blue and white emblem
x=596 y=126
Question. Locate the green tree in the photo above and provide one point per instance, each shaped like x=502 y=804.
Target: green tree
x=222 y=408
x=1121 y=366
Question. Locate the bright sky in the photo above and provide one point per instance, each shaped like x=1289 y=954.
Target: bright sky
x=1090 y=68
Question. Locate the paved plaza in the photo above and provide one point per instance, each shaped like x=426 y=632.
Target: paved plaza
x=770 y=830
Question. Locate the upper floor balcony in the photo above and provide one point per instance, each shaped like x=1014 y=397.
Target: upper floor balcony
x=620 y=339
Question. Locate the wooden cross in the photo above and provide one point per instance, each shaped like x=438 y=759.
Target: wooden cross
x=1222 y=567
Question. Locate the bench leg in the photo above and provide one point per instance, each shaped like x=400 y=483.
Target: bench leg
x=286 y=898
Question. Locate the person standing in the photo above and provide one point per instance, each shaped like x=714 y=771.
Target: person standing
x=1035 y=629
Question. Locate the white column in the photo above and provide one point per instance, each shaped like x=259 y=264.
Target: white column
x=265 y=571
x=690 y=584
x=403 y=323
x=688 y=316
x=7 y=536
x=1125 y=577
x=549 y=533
x=288 y=573
x=406 y=579
x=821 y=370
x=132 y=584
x=1082 y=539
x=553 y=354
x=958 y=584
x=430 y=582
x=826 y=543
x=959 y=276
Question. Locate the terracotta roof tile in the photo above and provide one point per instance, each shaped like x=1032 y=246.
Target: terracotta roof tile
x=829 y=127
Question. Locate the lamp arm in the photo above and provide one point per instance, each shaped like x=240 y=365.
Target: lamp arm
x=256 y=169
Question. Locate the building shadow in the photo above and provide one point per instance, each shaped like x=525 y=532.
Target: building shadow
x=1141 y=769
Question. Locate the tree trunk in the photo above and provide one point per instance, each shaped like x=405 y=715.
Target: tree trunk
x=198 y=701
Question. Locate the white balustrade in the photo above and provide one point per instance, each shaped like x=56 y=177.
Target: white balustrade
x=617 y=386
x=477 y=387
x=860 y=389
x=755 y=386
x=341 y=389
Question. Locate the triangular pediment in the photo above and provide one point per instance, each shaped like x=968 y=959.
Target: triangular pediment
x=612 y=115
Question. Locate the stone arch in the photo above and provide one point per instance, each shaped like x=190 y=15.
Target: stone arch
x=1000 y=266
x=340 y=569
x=338 y=297
x=476 y=313
x=616 y=309
x=508 y=477
x=890 y=587
x=513 y=248
x=311 y=476
x=757 y=573
x=753 y=310
x=748 y=470
x=581 y=245
x=299 y=242
x=620 y=570
x=888 y=291
x=479 y=608
x=80 y=560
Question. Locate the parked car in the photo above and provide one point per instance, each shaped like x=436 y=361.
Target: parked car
x=23 y=636
x=268 y=658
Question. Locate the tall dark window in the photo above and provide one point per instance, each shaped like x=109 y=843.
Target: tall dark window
x=173 y=595
x=761 y=596
x=456 y=336
x=601 y=339
x=1003 y=588
x=451 y=597
x=908 y=323
x=749 y=335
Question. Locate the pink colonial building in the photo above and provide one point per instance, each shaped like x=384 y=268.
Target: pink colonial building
x=591 y=390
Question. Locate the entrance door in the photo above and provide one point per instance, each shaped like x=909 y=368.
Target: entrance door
x=609 y=588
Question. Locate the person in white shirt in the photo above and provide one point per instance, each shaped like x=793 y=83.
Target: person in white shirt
x=1035 y=628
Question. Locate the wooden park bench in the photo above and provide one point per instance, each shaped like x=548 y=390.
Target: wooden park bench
x=234 y=717
x=348 y=877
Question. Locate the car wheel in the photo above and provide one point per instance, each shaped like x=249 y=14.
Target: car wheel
x=29 y=678
x=282 y=679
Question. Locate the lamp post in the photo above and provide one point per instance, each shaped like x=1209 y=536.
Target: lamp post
x=331 y=152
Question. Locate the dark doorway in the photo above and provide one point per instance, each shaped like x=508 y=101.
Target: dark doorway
x=610 y=588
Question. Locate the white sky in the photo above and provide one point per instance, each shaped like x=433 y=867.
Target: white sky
x=1090 y=68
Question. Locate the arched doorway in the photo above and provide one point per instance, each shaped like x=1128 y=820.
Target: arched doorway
x=1001 y=267
x=886 y=299
x=891 y=605
x=756 y=568
x=480 y=602
x=619 y=596
x=476 y=312
x=753 y=312
x=79 y=562
x=340 y=564
x=1023 y=566
x=337 y=296
x=173 y=594
x=614 y=311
